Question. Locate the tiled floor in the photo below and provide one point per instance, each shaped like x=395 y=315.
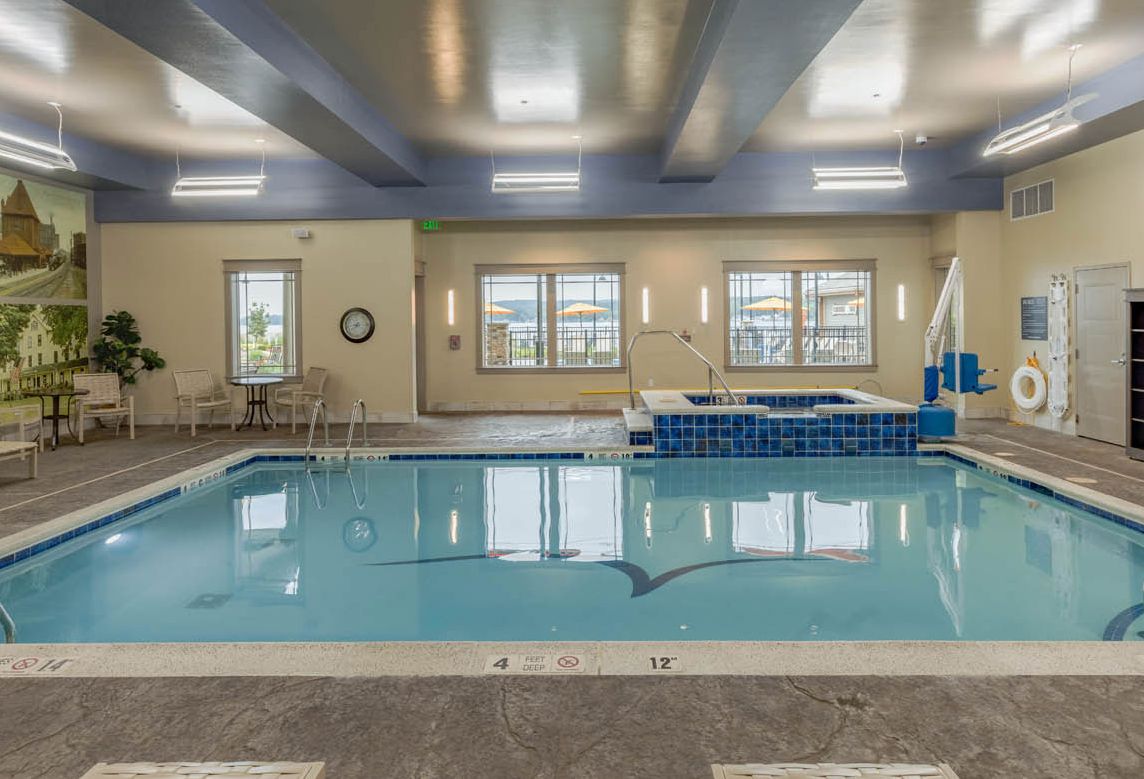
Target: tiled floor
x=618 y=726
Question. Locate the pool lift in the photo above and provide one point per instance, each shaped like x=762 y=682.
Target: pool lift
x=959 y=371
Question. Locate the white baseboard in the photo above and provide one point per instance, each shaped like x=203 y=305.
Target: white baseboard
x=605 y=403
x=988 y=412
x=158 y=418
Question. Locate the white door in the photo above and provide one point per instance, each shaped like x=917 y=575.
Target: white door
x=1100 y=374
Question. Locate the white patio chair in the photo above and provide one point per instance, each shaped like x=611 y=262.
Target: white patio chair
x=29 y=424
x=196 y=390
x=103 y=400
x=300 y=396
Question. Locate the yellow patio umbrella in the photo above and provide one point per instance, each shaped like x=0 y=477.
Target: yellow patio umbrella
x=492 y=309
x=579 y=309
x=768 y=304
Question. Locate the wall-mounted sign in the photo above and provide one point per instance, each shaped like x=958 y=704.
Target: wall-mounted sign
x=1035 y=319
x=430 y=225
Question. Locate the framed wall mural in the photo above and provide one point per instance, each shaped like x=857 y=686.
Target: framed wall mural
x=43 y=285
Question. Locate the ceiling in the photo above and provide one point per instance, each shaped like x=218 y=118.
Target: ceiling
x=114 y=92
x=939 y=68
x=522 y=77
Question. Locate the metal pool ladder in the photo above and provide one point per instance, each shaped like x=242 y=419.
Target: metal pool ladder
x=712 y=372
x=319 y=405
x=359 y=404
x=8 y=624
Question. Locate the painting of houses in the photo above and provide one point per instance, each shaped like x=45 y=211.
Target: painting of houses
x=34 y=261
x=40 y=346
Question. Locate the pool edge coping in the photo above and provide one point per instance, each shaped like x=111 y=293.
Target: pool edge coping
x=595 y=658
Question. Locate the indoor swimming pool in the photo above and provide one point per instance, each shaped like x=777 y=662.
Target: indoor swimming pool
x=792 y=549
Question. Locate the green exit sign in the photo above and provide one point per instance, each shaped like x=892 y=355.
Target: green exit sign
x=430 y=225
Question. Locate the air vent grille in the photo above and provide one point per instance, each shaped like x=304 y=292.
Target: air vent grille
x=1033 y=200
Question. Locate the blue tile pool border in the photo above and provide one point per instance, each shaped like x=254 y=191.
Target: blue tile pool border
x=230 y=468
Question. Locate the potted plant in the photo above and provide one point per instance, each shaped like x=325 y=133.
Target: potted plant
x=118 y=350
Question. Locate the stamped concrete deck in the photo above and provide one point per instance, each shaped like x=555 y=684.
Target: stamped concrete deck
x=994 y=727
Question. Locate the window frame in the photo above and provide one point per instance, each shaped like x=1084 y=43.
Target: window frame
x=293 y=266
x=796 y=268
x=551 y=271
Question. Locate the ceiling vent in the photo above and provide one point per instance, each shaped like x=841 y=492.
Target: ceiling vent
x=1030 y=201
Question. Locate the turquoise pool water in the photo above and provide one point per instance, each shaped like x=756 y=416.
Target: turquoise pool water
x=724 y=549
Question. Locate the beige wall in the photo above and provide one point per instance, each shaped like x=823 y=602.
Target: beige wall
x=170 y=277
x=1098 y=220
x=674 y=258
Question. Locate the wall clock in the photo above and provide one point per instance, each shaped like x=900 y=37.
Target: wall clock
x=357 y=325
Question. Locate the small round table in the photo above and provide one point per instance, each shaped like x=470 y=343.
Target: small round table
x=256 y=388
x=55 y=393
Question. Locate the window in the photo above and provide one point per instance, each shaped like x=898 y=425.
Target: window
x=800 y=314
x=539 y=317
x=263 y=300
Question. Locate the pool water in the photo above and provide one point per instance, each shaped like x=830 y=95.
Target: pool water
x=682 y=549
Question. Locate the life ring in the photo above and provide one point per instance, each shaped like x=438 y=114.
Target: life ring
x=1023 y=377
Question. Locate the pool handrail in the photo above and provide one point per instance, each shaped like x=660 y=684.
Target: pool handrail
x=9 y=625
x=319 y=404
x=712 y=371
x=358 y=404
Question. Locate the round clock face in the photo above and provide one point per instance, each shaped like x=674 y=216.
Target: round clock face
x=357 y=325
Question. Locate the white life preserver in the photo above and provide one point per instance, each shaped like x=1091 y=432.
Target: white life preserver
x=1023 y=377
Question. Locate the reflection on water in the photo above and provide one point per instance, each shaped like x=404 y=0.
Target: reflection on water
x=742 y=549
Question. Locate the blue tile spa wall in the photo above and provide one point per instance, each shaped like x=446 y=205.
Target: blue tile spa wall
x=784 y=435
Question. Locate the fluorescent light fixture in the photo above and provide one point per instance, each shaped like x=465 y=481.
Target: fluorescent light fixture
x=868 y=177
x=218 y=186
x=703 y=305
x=540 y=182
x=645 y=303
x=40 y=155
x=452 y=311
x=1044 y=128
x=860 y=178
x=901 y=302
x=536 y=182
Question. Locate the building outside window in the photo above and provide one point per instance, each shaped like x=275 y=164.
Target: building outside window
x=543 y=317
x=263 y=307
x=800 y=314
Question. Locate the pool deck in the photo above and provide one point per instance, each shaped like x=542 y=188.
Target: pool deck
x=1053 y=724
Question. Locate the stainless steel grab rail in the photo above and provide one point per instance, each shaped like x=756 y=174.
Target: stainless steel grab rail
x=8 y=624
x=318 y=404
x=712 y=371
x=358 y=404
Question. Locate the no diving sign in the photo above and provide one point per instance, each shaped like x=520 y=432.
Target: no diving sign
x=29 y=665
x=536 y=664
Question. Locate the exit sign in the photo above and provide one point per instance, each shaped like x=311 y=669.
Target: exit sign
x=430 y=225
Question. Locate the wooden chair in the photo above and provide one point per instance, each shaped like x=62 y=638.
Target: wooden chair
x=29 y=424
x=18 y=450
x=306 y=394
x=103 y=400
x=196 y=390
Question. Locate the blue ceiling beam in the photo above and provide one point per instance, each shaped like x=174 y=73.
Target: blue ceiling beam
x=749 y=54
x=245 y=52
x=99 y=166
x=770 y=184
x=1117 y=110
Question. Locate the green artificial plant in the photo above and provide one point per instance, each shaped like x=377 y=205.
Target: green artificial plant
x=118 y=350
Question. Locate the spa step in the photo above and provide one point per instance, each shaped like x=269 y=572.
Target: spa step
x=638 y=424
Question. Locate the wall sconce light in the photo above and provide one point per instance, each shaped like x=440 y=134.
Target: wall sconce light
x=452 y=309
x=645 y=315
x=901 y=302
x=703 y=305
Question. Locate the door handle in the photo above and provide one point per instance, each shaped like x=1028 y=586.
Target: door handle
x=1120 y=361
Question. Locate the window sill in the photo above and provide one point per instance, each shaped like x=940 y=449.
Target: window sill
x=800 y=368
x=541 y=370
